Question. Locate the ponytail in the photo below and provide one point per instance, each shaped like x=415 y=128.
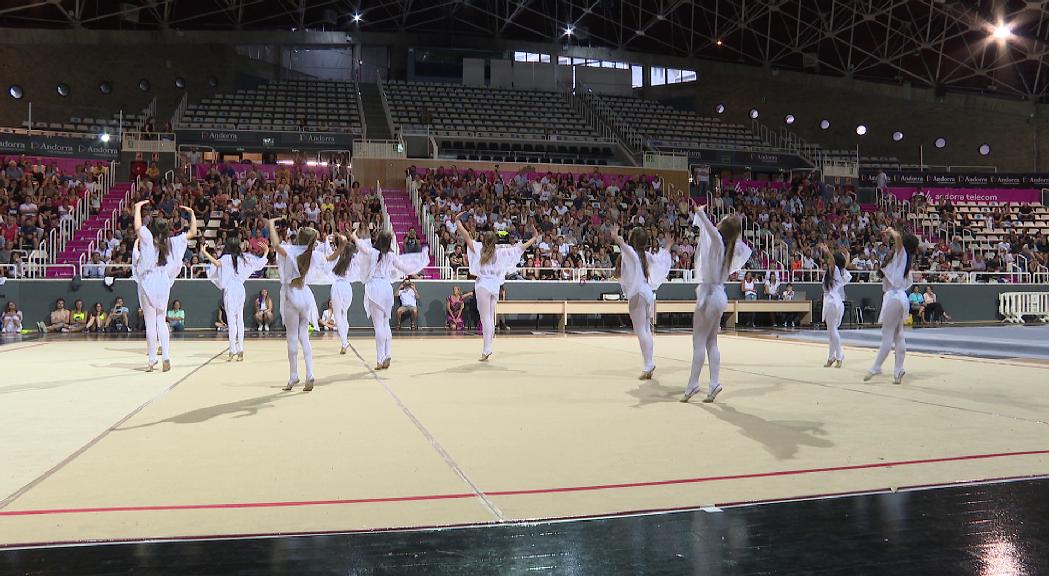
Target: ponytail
x=348 y=251
x=161 y=232
x=306 y=237
x=639 y=241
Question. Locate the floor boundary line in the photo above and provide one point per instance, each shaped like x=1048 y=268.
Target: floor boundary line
x=524 y=492
x=493 y=509
x=65 y=461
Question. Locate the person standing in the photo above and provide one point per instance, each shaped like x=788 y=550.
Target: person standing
x=229 y=273
x=896 y=280
x=641 y=274
x=719 y=254
x=157 y=264
x=490 y=264
x=835 y=277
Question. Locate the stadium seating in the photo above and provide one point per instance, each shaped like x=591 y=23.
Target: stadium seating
x=666 y=126
x=289 y=105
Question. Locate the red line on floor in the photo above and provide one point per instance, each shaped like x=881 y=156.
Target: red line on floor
x=559 y=490
x=615 y=514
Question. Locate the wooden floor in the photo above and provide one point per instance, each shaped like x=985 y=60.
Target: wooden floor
x=94 y=448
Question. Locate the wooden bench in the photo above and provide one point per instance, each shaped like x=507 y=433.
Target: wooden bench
x=564 y=308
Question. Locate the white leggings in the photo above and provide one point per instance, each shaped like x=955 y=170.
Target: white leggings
x=234 y=303
x=832 y=315
x=383 y=335
x=486 y=302
x=706 y=322
x=341 y=299
x=156 y=328
x=641 y=318
x=297 y=323
x=893 y=310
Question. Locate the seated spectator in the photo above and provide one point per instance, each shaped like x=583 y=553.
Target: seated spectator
x=95 y=268
x=263 y=311
x=78 y=317
x=748 y=288
x=409 y=297
x=934 y=311
x=454 y=308
x=789 y=319
x=96 y=318
x=176 y=317
x=917 y=304
x=11 y=320
x=327 y=320
x=411 y=242
x=59 y=319
x=119 y=319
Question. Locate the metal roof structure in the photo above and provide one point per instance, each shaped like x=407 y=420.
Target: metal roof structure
x=996 y=46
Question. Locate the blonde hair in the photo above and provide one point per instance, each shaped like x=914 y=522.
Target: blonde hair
x=307 y=236
x=487 y=247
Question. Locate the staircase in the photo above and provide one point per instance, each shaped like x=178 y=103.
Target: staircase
x=374 y=113
x=88 y=232
x=402 y=217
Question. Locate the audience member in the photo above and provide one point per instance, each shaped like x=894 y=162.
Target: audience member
x=12 y=319
x=409 y=298
x=176 y=317
x=263 y=311
x=96 y=318
x=454 y=310
x=59 y=321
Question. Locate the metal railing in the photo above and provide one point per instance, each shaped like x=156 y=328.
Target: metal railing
x=429 y=227
x=149 y=142
x=379 y=149
x=385 y=107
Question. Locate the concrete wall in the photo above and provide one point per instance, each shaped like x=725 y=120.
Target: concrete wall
x=200 y=298
x=1010 y=127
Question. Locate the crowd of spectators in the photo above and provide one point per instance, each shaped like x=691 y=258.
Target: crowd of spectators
x=331 y=202
x=36 y=196
x=574 y=213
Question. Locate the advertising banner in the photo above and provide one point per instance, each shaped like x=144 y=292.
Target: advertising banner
x=59 y=146
x=998 y=180
x=266 y=171
x=938 y=194
x=244 y=139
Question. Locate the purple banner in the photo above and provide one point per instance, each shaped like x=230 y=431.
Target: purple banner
x=266 y=171
x=937 y=195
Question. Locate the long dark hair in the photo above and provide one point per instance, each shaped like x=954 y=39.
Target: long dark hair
x=910 y=245
x=161 y=229
x=730 y=228
x=348 y=251
x=232 y=247
x=307 y=236
x=639 y=241
x=383 y=242
x=836 y=262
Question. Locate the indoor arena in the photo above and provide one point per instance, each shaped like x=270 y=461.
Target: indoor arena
x=506 y=287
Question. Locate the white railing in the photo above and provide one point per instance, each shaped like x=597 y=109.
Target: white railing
x=429 y=227
x=183 y=103
x=385 y=107
x=360 y=110
x=387 y=225
x=148 y=142
x=1013 y=306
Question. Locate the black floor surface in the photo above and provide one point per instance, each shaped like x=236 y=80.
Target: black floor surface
x=978 y=529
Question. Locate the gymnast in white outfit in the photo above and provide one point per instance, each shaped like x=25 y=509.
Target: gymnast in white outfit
x=719 y=254
x=380 y=267
x=641 y=273
x=299 y=264
x=490 y=264
x=345 y=271
x=157 y=264
x=228 y=273
x=835 y=277
x=896 y=281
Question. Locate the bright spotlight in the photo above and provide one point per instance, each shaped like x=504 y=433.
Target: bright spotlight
x=754 y=113
x=719 y=42
x=1002 y=32
x=897 y=136
x=104 y=137
x=569 y=30
x=861 y=129
x=789 y=119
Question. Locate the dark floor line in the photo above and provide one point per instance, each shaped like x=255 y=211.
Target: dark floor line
x=448 y=460
x=36 y=481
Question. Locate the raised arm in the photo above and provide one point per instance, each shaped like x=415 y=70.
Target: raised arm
x=275 y=237
x=897 y=239
x=532 y=240
x=138 y=213
x=340 y=248
x=669 y=241
x=192 y=223
x=617 y=238
x=212 y=259
x=701 y=219
x=461 y=228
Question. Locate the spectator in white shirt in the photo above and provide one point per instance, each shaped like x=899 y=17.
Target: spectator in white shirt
x=96 y=268
x=409 y=297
